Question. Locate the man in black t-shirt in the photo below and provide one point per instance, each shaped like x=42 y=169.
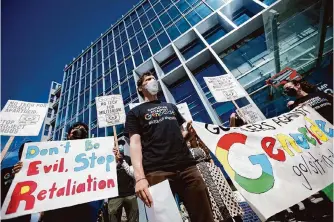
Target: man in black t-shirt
x=159 y=152
x=126 y=192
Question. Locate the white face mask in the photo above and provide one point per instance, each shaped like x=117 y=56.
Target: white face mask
x=152 y=87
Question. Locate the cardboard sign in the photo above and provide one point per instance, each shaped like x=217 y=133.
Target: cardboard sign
x=249 y=113
x=20 y=118
x=110 y=110
x=184 y=111
x=60 y=174
x=224 y=88
x=278 y=162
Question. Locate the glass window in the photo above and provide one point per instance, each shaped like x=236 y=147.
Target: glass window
x=112 y=61
x=134 y=43
x=215 y=3
x=121 y=26
x=203 y=10
x=49 y=113
x=150 y=14
x=130 y=31
x=241 y=16
x=170 y=63
x=123 y=36
x=86 y=97
x=115 y=91
x=149 y=32
x=141 y=38
x=163 y=39
x=136 y=26
x=192 y=49
x=110 y=38
x=192 y=2
x=119 y=54
x=106 y=64
x=93 y=114
x=100 y=87
x=183 y=6
x=146 y=5
x=173 y=32
x=158 y=8
x=140 y=10
x=183 y=91
x=193 y=18
x=87 y=81
x=133 y=16
x=114 y=78
x=86 y=116
x=127 y=21
x=156 y=26
x=117 y=41
x=133 y=88
x=126 y=49
x=182 y=25
x=99 y=71
x=165 y=19
x=94 y=93
x=166 y=3
x=155 y=46
x=101 y=132
x=129 y=65
x=122 y=72
x=214 y=34
x=143 y=20
x=105 y=52
x=146 y=52
x=107 y=82
x=125 y=92
x=174 y=13
x=137 y=57
x=81 y=101
x=111 y=48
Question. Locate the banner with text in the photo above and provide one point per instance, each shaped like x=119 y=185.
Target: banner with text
x=249 y=113
x=224 y=88
x=20 y=118
x=110 y=110
x=61 y=174
x=278 y=162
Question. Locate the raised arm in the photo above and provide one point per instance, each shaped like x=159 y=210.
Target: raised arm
x=142 y=185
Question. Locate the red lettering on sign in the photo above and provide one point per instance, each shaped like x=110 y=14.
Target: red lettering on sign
x=269 y=149
x=33 y=169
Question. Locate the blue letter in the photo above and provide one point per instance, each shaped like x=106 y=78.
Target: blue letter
x=81 y=158
x=67 y=147
x=32 y=152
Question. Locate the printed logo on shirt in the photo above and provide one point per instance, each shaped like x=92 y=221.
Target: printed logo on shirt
x=159 y=114
x=317 y=102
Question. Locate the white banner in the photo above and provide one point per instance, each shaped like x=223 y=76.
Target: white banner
x=110 y=110
x=224 y=88
x=20 y=118
x=277 y=162
x=249 y=113
x=61 y=174
x=184 y=111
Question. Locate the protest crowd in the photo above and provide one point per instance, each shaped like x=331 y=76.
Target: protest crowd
x=164 y=146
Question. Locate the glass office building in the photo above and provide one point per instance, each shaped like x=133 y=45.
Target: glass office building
x=182 y=41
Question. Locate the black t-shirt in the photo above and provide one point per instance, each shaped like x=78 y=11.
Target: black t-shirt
x=163 y=147
x=6 y=180
x=81 y=212
x=126 y=185
x=321 y=102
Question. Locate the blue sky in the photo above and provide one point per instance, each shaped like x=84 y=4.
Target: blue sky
x=39 y=37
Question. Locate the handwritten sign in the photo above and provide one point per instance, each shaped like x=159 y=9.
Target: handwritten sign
x=184 y=111
x=61 y=174
x=20 y=118
x=278 y=162
x=249 y=113
x=224 y=88
x=110 y=110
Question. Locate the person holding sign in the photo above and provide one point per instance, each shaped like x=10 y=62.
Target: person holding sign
x=7 y=176
x=126 y=191
x=81 y=212
x=158 y=151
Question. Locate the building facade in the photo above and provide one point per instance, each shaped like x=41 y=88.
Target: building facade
x=50 y=119
x=182 y=41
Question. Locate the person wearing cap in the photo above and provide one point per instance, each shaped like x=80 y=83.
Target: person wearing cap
x=126 y=190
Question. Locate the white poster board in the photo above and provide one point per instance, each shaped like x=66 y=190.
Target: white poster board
x=110 y=110
x=164 y=207
x=60 y=174
x=20 y=118
x=278 y=162
x=224 y=88
x=249 y=113
x=184 y=111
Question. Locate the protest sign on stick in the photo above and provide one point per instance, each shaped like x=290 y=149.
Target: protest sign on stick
x=60 y=174
x=110 y=112
x=277 y=162
x=20 y=118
